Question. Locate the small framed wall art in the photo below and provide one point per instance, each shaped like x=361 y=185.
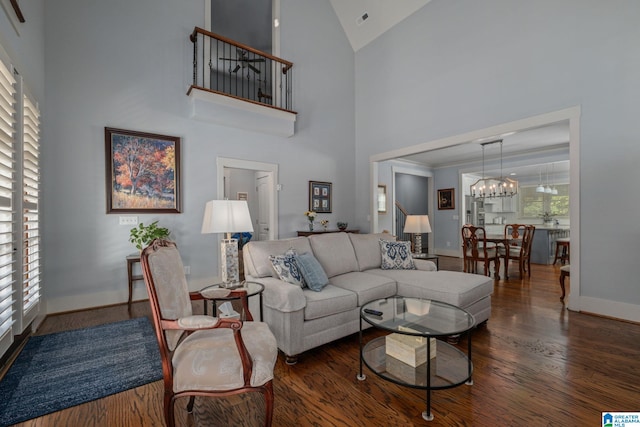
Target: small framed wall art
x=446 y=198
x=320 y=196
x=142 y=172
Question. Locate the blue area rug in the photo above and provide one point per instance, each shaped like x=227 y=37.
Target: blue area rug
x=65 y=369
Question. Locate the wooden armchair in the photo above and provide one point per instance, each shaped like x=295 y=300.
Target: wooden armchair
x=476 y=249
x=203 y=355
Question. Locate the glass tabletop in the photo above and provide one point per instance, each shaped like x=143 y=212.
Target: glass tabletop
x=415 y=316
x=213 y=291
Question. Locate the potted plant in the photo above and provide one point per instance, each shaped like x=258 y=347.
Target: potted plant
x=142 y=235
x=547 y=218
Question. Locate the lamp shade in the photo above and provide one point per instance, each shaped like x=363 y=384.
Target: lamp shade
x=226 y=216
x=417 y=224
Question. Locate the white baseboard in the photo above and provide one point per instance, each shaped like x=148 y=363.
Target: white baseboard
x=614 y=309
x=111 y=297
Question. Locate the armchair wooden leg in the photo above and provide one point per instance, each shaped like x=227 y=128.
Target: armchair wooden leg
x=168 y=410
x=268 y=401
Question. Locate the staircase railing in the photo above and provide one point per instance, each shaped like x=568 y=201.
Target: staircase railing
x=401 y=218
x=230 y=68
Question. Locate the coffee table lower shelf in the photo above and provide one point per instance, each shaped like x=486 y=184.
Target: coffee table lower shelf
x=450 y=368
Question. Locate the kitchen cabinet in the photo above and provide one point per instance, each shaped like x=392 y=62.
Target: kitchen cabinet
x=494 y=229
x=510 y=204
x=502 y=205
x=543 y=247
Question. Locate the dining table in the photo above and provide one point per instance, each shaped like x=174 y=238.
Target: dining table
x=505 y=241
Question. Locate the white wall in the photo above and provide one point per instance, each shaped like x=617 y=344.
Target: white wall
x=455 y=67
x=128 y=65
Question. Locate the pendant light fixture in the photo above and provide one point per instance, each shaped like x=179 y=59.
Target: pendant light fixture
x=494 y=187
x=554 y=190
x=540 y=187
x=547 y=189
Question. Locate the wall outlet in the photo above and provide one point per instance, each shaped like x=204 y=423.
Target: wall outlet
x=456 y=217
x=448 y=244
x=187 y=270
x=128 y=220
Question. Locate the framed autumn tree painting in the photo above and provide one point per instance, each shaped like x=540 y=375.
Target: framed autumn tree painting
x=143 y=172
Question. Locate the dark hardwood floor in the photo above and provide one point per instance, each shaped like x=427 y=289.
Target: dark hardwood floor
x=535 y=364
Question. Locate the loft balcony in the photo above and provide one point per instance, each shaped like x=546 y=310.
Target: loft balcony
x=239 y=86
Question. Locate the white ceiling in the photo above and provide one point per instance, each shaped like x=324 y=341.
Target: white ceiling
x=546 y=139
x=381 y=15
x=528 y=141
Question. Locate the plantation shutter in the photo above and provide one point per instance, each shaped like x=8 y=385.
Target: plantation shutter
x=7 y=143
x=30 y=209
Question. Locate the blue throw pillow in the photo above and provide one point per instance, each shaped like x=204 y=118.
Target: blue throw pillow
x=313 y=273
x=396 y=255
x=287 y=269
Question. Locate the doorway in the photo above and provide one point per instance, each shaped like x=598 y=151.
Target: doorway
x=255 y=182
x=411 y=197
x=572 y=115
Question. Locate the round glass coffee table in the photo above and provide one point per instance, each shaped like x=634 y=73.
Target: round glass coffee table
x=417 y=359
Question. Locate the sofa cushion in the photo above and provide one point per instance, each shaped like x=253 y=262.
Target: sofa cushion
x=287 y=269
x=396 y=256
x=330 y=301
x=256 y=254
x=312 y=272
x=367 y=249
x=335 y=253
x=453 y=287
x=367 y=287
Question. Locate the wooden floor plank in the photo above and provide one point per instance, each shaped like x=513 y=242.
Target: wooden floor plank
x=535 y=364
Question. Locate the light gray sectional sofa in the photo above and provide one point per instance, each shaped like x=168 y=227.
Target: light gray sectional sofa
x=302 y=319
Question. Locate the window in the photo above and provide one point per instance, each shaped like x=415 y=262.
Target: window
x=30 y=205
x=8 y=89
x=20 y=237
x=533 y=204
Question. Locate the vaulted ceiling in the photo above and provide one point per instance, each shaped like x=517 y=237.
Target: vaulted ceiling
x=364 y=20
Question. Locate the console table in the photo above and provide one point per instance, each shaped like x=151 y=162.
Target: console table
x=131 y=260
x=309 y=233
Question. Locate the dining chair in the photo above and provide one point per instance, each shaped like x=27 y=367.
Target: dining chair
x=518 y=250
x=203 y=355
x=475 y=248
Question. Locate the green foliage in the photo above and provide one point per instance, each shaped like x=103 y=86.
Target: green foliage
x=142 y=235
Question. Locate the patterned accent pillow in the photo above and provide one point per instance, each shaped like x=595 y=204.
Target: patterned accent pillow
x=396 y=255
x=287 y=269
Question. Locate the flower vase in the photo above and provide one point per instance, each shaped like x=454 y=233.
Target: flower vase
x=310 y=226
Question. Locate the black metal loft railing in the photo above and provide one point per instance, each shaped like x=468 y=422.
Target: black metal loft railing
x=231 y=68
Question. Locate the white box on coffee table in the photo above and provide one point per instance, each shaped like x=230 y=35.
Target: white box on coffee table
x=409 y=349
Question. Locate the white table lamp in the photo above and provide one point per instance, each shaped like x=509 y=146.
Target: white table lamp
x=417 y=224
x=227 y=216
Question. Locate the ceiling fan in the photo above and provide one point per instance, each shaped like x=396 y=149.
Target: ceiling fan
x=242 y=61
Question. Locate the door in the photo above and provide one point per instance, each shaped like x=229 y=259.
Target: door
x=263 y=187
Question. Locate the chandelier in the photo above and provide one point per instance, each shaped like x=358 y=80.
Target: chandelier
x=494 y=187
